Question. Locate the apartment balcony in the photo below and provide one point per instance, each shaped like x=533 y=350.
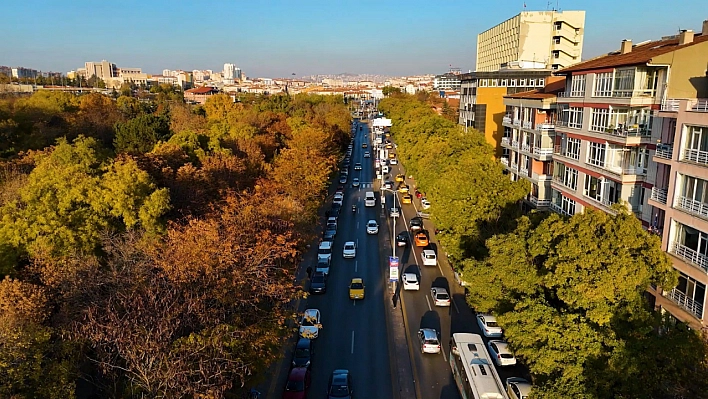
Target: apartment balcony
x=526 y=147
x=659 y=195
x=515 y=144
x=545 y=126
x=692 y=206
x=693 y=307
x=539 y=203
x=542 y=152
x=689 y=255
x=557 y=209
x=514 y=166
x=664 y=151
x=642 y=130
x=540 y=178
x=670 y=105
x=527 y=125
x=700 y=105
x=504 y=161
x=517 y=122
x=505 y=142
x=507 y=120
x=696 y=156
x=524 y=171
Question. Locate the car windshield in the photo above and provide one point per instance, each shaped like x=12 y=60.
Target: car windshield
x=372 y=224
x=308 y=321
x=339 y=391
x=297 y=386
x=324 y=251
x=492 y=324
x=331 y=226
x=430 y=256
x=349 y=247
x=411 y=279
x=506 y=356
x=442 y=296
x=357 y=286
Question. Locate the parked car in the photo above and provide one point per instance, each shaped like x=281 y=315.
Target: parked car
x=518 y=388
x=425 y=203
x=302 y=356
x=429 y=342
x=499 y=351
x=340 y=385
x=322 y=266
x=402 y=239
x=406 y=199
x=416 y=223
x=349 y=250
x=388 y=185
x=310 y=324
x=489 y=326
x=400 y=177
x=364 y=145
x=440 y=296
x=372 y=227
x=318 y=283
x=343 y=179
x=410 y=282
x=429 y=257
x=330 y=232
x=325 y=250
x=298 y=383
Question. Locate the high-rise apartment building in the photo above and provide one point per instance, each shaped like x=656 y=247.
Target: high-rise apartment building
x=633 y=130
x=552 y=38
x=447 y=81
x=231 y=73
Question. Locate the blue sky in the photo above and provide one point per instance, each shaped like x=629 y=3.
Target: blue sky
x=276 y=38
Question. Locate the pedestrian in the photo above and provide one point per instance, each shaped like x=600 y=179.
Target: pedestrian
x=394 y=298
x=309 y=272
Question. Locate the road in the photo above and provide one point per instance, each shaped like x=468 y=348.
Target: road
x=434 y=378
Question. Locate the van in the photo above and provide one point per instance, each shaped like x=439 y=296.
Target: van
x=370 y=199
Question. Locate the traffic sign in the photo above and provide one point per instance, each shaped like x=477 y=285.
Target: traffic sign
x=393 y=268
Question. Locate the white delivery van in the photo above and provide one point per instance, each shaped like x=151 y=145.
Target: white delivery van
x=370 y=199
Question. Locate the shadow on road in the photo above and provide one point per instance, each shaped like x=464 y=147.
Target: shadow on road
x=442 y=283
x=431 y=319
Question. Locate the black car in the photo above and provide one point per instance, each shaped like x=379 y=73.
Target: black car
x=330 y=232
x=416 y=223
x=343 y=179
x=318 y=283
x=340 y=385
x=334 y=211
x=303 y=353
x=402 y=239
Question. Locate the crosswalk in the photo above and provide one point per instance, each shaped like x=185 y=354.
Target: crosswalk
x=366 y=185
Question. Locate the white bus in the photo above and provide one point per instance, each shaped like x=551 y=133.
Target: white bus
x=473 y=369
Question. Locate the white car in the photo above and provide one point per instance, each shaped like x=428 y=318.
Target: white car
x=440 y=296
x=489 y=326
x=372 y=227
x=366 y=154
x=410 y=282
x=355 y=182
x=338 y=199
x=429 y=257
x=332 y=220
x=518 y=388
x=499 y=350
x=349 y=249
x=310 y=324
x=324 y=252
x=425 y=203
x=393 y=161
x=429 y=342
x=395 y=213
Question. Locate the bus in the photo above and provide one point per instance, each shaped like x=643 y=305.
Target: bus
x=473 y=369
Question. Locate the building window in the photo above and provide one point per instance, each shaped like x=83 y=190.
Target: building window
x=600 y=120
x=512 y=83
x=568 y=205
x=504 y=82
x=483 y=83
x=603 y=85
x=558 y=25
x=556 y=54
x=577 y=86
x=522 y=82
x=572 y=148
x=575 y=117
x=570 y=178
x=593 y=188
x=493 y=82
x=557 y=39
x=596 y=154
x=555 y=66
x=541 y=82
x=692 y=293
x=624 y=83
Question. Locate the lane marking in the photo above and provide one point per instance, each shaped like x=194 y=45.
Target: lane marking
x=456 y=308
x=356 y=266
x=428 y=301
x=442 y=349
x=352 y=342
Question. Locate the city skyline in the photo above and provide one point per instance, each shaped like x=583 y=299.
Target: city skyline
x=278 y=39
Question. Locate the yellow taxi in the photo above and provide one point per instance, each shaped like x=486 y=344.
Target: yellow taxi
x=406 y=199
x=356 y=288
x=421 y=239
x=391 y=155
x=403 y=189
x=400 y=178
x=389 y=146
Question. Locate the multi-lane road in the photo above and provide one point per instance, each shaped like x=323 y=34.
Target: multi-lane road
x=355 y=334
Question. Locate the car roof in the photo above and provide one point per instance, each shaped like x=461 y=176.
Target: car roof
x=488 y=317
x=311 y=312
x=298 y=373
x=349 y=243
x=411 y=276
x=371 y=220
x=357 y=280
x=440 y=290
x=523 y=385
x=304 y=343
x=429 y=333
x=428 y=252
x=326 y=244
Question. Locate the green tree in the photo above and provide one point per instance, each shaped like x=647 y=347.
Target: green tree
x=95 y=81
x=569 y=294
x=140 y=134
x=390 y=90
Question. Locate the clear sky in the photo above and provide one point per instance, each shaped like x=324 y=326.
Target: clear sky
x=274 y=38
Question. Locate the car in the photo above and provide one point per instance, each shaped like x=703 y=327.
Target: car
x=302 y=356
x=402 y=239
x=410 y=282
x=429 y=257
x=429 y=342
x=343 y=179
x=389 y=146
x=403 y=188
x=421 y=239
x=330 y=231
x=335 y=209
x=518 y=388
x=395 y=212
x=440 y=296
x=372 y=227
x=349 y=249
x=400 y=177
x=340 y=385
x=350 y=147
x=366 y=154
x=310 y=324
x=416 y=223
x=489 y=326
x=298 y=383
x=406 y=199
x=425 y=203
x=318 y=283
x=391 y=155
x=324 y=251
x=499 y=351
x=393 y=161
x=357 y=166
x=388 y=185
x=322 y=266
x=332 y=219
x=338 y=199
x=356 y=288
x=355 y=182
x=364 y=145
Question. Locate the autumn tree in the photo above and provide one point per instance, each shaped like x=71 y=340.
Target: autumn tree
x=569 y=294
x=140 y=134
x=96 y=118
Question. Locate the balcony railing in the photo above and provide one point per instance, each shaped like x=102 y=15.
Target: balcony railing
x=527 y=125
x=659 y=194
x=515 y=143
x=700 y=105
x=525 y=147
x=505 y=141
x=694 y=307
x=524 y=171
x=697 y=156
x=545 y=126
x=540 y=151
x=670 y=105
x=514 y=166
x=507 y=120
x=690 y=256
x=517 y=122
x=629 y=131
x=692 y=206
x=535 y=176
x=664 y=151
x=504 y=160
x=539 y=203
x=557 y=209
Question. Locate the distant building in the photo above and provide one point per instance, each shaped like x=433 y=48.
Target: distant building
x=199 y=95
x=231 y=74
x=552 y=38
x=446 y=81
x=23 y=73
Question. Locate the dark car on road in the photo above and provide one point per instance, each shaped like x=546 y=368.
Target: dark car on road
x=303 y=353
x=334 y=211
x=330 y=232
x=402 y=239
x=416 y=224
x=340 y=385
x=318 y=283
x=298 y=383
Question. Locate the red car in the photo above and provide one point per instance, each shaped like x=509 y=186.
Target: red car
x=298 y=383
